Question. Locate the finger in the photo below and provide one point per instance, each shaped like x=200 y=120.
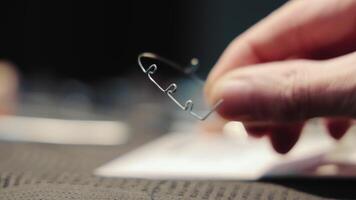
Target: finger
x=289 y=90
x=324 y=27
x=337 y=127
x=285 y=136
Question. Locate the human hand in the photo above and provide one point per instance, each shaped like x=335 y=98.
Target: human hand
x=295 y=64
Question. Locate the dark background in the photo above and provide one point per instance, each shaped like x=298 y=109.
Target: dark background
x=95 y=40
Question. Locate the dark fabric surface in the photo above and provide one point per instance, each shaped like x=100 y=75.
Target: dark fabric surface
x=74 y=186
x=47 y=171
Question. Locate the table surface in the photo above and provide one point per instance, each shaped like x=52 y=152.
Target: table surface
x=37 y=171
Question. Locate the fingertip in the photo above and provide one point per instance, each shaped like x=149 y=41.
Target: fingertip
x=239 y=53
x=236 y=96
x=284 y=137
x=338 y=127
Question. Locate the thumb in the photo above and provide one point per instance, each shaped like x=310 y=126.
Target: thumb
x=289 y=90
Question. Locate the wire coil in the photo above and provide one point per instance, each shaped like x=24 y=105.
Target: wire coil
x=172 y=88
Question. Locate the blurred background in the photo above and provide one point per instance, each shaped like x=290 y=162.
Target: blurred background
x=94 y=41
x=78 y=60
x=69 y=73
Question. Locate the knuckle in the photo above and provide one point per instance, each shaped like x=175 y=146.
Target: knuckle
x=295 y=94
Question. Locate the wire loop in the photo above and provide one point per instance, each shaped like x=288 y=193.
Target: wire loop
x=172 y=88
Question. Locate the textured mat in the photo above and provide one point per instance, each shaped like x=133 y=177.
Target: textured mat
x=70 y=186
x=42 y=171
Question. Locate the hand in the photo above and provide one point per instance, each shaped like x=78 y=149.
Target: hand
x=295 y=64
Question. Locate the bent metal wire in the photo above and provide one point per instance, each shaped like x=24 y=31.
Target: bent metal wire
x=172 y=88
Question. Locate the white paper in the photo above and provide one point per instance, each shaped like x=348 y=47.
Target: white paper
x=183 y=155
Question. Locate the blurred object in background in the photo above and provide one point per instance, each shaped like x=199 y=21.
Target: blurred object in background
x=73 y=112
x=8 y=87
x=60 y=131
